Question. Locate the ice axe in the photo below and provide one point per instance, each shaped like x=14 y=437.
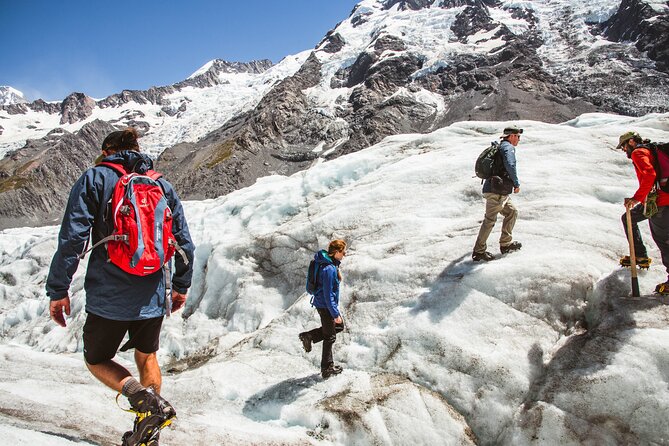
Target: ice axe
x=630 y=240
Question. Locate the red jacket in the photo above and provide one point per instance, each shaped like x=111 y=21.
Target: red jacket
x=645 y=172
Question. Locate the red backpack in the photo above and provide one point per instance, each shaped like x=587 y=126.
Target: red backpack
x=660 y=152
x=142 y=240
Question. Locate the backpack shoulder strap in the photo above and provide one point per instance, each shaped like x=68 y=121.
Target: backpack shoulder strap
x=117 y=167
x=120 y=169
x=652 y=149
x=153 y=175
x=317 y=267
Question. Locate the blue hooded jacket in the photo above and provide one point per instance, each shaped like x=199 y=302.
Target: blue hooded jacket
x=510 y=175
x=327 y=290
x=111 y=292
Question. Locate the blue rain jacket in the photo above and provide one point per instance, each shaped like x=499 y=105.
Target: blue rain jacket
x=508 y=152
x=111 y=292
x=327 y=289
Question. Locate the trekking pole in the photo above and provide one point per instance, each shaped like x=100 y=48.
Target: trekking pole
x=630 y=240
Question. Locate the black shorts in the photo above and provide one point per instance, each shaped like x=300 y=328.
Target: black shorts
x=102 y=337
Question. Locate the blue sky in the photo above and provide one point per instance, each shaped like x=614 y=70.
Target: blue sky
x=50 y=48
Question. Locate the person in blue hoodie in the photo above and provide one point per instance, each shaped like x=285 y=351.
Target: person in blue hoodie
x=326 y=301
x=497 y=193
x=118 y=302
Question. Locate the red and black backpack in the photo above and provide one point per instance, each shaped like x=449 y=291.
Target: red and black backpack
x=660 y=152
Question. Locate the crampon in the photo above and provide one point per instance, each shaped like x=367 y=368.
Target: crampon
x=641 y=262
x=152 y=414
x=662 y=289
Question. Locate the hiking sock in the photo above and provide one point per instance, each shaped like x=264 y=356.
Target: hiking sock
x=131 y=387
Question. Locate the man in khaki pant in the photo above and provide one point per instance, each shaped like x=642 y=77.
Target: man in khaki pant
x=496 y=191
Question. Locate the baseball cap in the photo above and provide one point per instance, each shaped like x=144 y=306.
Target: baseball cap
x=512 y=130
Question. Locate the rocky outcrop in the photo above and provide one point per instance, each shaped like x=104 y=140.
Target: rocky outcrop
x=38 y=105
x=332 y=43
x=628 y=21
x=403 y=5
x=277 y=136
x=471 y=21
x=415 y=5
x=35 y=180
x=638 y=22
x=76 y=107
x=359 y=71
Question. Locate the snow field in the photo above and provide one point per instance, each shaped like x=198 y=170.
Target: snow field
x=497 y=352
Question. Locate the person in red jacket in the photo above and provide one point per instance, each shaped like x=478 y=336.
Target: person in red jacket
x=644 y=162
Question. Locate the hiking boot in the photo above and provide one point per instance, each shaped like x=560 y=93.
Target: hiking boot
x=306 y=341
x=153 y=414
x=641 y=262
x=513 y=246
x=482 y=256
x=662 y=289
x=330 y=371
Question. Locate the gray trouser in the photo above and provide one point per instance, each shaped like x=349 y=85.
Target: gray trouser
x=496 y=204
x=659 y=229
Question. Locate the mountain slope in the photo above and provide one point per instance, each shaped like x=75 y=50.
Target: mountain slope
x=165 y=115
x=184 y=111
x=398 y=67
x=391 y=67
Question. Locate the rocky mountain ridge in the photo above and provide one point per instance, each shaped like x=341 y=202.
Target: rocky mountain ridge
x=79 y=106
x=35 y=179
x=387 y=85
x=404 y=66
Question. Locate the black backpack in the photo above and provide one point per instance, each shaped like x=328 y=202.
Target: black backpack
x=489 y=161
x=312 y=277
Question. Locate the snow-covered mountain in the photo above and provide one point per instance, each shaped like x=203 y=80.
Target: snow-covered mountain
x=64 y=138
x=538 y=347
x=167 y=115
x=9 y=95
x=392 y=66
x=414 y=66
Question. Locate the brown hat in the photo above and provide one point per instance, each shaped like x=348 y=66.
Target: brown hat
x=511 y=130
x=626 y=137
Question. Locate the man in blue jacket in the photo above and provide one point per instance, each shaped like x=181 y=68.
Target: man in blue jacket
x=118 y=302
x=497 y=191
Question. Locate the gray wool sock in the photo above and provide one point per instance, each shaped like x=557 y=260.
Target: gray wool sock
x=131 y=387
